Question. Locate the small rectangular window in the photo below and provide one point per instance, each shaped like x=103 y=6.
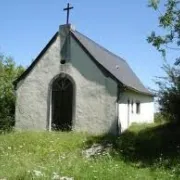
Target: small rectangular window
x=132 y=106
x=137 y=107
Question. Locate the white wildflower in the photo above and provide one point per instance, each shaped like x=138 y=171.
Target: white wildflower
x=66 y=178
x=37 y=173
x=55 y=176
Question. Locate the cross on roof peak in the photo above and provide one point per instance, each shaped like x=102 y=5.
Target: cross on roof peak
x=68 y=9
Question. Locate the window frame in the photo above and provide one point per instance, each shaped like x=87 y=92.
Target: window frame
x=138 y=107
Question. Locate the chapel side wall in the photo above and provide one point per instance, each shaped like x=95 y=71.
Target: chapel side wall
x=95 y=94
x=127 y=116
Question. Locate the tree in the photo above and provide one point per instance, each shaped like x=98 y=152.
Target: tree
x=169 y=86
x=169 y=21
x=8 y=73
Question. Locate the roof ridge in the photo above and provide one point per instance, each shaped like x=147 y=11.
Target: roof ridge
x=103 y=48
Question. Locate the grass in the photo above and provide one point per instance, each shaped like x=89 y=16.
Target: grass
x=144 y=152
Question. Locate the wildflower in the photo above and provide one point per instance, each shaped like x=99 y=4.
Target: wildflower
x=55 y=176
x=37 y=173
x=66 y=178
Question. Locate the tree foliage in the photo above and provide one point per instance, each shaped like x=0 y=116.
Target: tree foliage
x=169 y=39
x=169 y=21
x=8 y=73
x=169 y=94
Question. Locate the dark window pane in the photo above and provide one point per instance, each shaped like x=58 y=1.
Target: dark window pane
x=138 y=107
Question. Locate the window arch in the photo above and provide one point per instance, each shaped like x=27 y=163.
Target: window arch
x=62 y=103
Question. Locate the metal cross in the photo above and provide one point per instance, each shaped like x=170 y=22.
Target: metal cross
x=68 y=9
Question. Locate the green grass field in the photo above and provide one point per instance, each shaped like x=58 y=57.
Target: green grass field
x=146 y=152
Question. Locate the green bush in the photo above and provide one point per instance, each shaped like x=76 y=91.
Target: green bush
x=8 y=73
x=169 y=94
x=168 y=38
x=6 y=124
x=159 y=118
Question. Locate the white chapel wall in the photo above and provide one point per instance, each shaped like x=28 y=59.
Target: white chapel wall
x=128 y=114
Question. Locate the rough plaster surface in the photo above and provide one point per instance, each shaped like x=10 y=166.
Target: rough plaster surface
x=127 y=116
x=95 y=94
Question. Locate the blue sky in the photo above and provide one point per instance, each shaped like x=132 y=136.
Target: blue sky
x=119 y=25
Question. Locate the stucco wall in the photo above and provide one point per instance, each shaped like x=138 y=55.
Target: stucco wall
x=128 y=115
x=95 y=94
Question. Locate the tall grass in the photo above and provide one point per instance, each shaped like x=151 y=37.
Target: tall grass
x=44 y=155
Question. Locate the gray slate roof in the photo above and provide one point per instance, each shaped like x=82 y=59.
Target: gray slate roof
x=117 y=66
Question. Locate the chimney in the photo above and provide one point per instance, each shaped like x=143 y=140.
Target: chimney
x=64 y=32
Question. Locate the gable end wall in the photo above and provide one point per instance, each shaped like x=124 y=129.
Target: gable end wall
x=95 y=95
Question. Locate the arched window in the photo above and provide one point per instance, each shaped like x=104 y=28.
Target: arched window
x=62 y=103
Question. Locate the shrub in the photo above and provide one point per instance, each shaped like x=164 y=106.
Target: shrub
x=159 y=118
x=169 y=94
x=8 y=73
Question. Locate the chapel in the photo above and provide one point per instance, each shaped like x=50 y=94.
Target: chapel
x=77 y=84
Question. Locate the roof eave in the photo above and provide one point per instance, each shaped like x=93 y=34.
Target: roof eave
x=141 y=92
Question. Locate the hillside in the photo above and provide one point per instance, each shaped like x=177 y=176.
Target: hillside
x=142 y=152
